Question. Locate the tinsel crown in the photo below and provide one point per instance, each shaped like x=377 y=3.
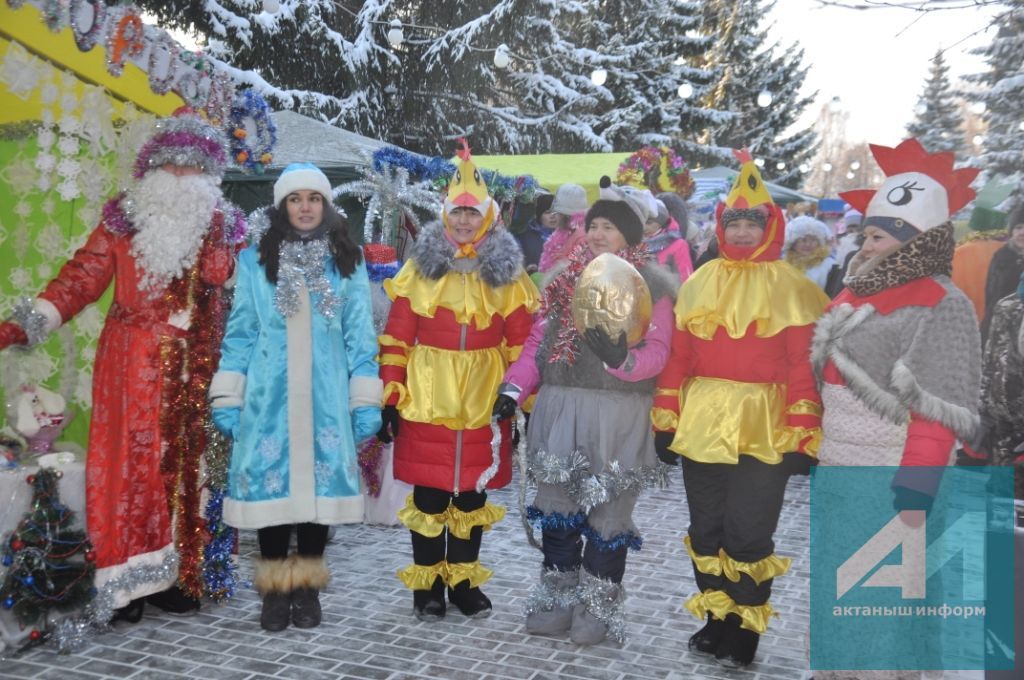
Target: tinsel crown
x=184 y=139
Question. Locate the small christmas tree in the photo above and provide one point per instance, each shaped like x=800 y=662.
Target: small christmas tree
x=49 y=564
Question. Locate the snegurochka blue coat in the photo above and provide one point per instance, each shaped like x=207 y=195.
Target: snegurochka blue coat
x=298 y=380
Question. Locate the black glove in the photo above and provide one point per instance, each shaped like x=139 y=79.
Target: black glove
x=504 y=407
x=908 y=499
x=611 y=353
x=796 y=463
x=662 y=440
x=389 y=424
x=964 y=459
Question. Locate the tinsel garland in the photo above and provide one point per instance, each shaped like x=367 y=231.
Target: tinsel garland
x=31 y=321
x=101 y=609
x=626 y=539
x=555 y=520
x=645 y=167
x=557 y=304
x=572 y=474
x=251 y=155
x=379 y=272
x=220 y=573
x=521 y=462
x=989 y=235
x=303 y=263
x=11 y=132
x=492 y=469
x=554 y=590
x=437 y=171
x=604 y=600
x=369 y=457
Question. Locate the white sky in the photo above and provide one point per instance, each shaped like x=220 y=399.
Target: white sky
x=877 y=75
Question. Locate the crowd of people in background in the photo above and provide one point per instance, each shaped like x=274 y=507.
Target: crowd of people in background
x=770 y=343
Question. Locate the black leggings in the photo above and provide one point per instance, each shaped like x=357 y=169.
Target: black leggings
x=274 y=541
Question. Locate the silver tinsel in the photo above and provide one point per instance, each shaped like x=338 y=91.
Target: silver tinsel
x=391 y=196
x=572 y=473
x=69 y=634
x=555 y=590
x=492 y=469
x=524 y=479
x=101 y=609
x=31 y=321
x=258 y=222
x=304 y=263
x=606 y=602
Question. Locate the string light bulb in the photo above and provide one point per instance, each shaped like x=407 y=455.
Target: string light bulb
x=804 y=168
x=850 y=175
x=395 y=35
x=827 y=167
x=501 y=58
x=685 y=91
x=764 y=98
x=271 y=6
x=854 y=165
x=759 y=162
x=978 y=108
x=978 y=140
x=781 y=165
x=599 y=76
x=835 y=104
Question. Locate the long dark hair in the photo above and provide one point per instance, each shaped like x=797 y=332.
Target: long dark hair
x=347 y=255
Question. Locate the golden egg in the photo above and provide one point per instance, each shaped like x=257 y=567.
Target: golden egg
x=612 y=295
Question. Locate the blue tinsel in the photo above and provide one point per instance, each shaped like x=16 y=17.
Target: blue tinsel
x=219 y=572
x=554 y=520
x=627 y=539
x=250 y=104
x=379 y=272
x=430 y=169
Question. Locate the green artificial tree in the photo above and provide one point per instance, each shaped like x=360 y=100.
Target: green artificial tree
x=49 y=563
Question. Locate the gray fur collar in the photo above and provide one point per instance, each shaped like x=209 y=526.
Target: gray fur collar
x=499 y=259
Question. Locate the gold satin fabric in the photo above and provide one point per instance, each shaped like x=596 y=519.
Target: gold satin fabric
x=717 y=602
x=464 y=294
x=451 y=388
x=735 y=294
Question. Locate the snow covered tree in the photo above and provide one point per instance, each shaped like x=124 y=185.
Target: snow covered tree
x=746 y=70
x=1003 y=95
x=937 y=122
x=332 y=60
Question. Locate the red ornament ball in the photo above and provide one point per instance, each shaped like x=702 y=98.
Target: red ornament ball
x=17 y=544
x=90 y=556
x=31 y=479
x=35 y=635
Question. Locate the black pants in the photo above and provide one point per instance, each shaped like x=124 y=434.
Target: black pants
x=734 y=507
x=274 y=541
x=428 y=551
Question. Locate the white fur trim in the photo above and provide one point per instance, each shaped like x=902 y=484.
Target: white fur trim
x=296 y=180
x=150 y=559
x=805 y=225
x=250 y=515
x=957 y=418
x=48 y=310
x=300 y=408
x=227 y=388
x=364 y=391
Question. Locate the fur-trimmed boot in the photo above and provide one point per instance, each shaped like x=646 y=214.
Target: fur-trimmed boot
x=309 y=576
x=273 y=580
x=738 y=645
x=550 y=607
x=600 y=613
x=707 y=639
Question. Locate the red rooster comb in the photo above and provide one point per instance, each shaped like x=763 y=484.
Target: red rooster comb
x=463 y=152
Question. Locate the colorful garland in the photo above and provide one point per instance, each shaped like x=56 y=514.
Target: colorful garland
x=648 y=166
x=157 y=83
x=86 y=40
x=369 y=457
x=125 y=41
x=438 y=171
x=252 y=155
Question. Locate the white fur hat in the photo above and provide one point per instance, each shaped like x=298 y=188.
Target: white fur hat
x=299 y=176
x=570 y=199
x=805 y=225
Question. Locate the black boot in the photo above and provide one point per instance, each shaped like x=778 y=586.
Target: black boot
x=174 y=601
x=276 y=612
x=470 y=601
x=131 y=612
x=273 y=580
x=706 y=640
x=428 y=605
x=738 y=645
x=309 y=577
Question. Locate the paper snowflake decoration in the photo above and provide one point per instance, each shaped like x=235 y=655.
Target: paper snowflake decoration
x=69 y=168
x=68 y=190
x=22 y=209
x=43 y=183
x=68 y=145
x=391 y=197
x=46 y=138
x=48 y=93
x=44 y=271
x=69 y=102
x=20 y=278
x=50 y=241
x=20 y=174
x=46 y=117
x=20 y=71
x=46 y=162
x=48 y=206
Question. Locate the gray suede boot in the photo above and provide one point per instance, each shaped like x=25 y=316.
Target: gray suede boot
x=550 y=607
x=600 y=612
x=309 y=576
x=273 y=580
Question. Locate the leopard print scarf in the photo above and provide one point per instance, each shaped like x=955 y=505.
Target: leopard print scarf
x=930 y=253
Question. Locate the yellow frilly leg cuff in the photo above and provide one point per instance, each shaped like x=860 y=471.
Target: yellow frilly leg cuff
x=430 y=526
x=419 y=577
x=760 y=571
x=707 y=564
x=461 y=523
x=717 y=602
x=471 y=571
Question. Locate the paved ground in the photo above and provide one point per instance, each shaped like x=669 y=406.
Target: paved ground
x=369 y=630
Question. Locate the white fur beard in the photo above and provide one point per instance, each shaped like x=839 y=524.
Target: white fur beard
x=171 y=215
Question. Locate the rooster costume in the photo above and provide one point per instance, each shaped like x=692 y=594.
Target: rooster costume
x=154 y=361
x=460 y=314
x=736 y=398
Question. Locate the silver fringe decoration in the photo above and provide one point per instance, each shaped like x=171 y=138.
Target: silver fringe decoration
x=258 y=222
x=101 y=609
x=555 y=590
x=488 y=474
x=524 y=480
x=304 y=263
x=572 y=473
x=70 y=634
x=31 y=321
x=606 y=602
x=391 y=196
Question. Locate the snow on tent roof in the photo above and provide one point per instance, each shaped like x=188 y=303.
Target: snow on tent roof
x=301 y=139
